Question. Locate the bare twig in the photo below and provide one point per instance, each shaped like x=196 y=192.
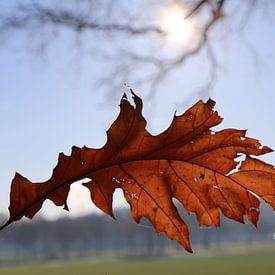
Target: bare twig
x=35 y=15
x=168 y=66
x=43 y=15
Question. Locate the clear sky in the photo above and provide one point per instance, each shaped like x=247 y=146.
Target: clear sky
x=48 y=105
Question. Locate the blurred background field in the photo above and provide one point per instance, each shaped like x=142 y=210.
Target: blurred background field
x=97 y=244
x=239 y=260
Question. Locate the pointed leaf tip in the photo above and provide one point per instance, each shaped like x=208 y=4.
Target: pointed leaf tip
x=138 y=101
x=211 y=103
x=133 y=93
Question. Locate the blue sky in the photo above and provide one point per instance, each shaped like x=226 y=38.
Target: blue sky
x=46 y=106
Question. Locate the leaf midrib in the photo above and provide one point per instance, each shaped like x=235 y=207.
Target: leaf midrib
x=87 y=174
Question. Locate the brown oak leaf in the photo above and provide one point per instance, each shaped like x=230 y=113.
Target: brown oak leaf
x=188 y=162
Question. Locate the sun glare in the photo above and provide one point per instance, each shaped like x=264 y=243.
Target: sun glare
x=177 y=28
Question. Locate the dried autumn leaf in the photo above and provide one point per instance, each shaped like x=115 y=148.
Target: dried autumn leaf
x=188 y=162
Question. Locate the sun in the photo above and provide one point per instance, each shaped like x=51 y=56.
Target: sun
x=175 y=26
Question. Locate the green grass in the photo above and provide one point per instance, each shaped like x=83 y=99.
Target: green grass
x=252 y=263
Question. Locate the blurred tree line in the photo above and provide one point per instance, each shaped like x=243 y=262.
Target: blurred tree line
x=96 y=235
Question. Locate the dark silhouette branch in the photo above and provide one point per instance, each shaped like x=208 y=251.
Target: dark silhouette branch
x=131 y=25
x=167 y=66
x=27 y=16
x=196 y=8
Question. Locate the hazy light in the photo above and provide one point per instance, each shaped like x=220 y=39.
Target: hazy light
x=175 y=26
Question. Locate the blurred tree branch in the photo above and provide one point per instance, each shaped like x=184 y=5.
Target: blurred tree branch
x=132 y=31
